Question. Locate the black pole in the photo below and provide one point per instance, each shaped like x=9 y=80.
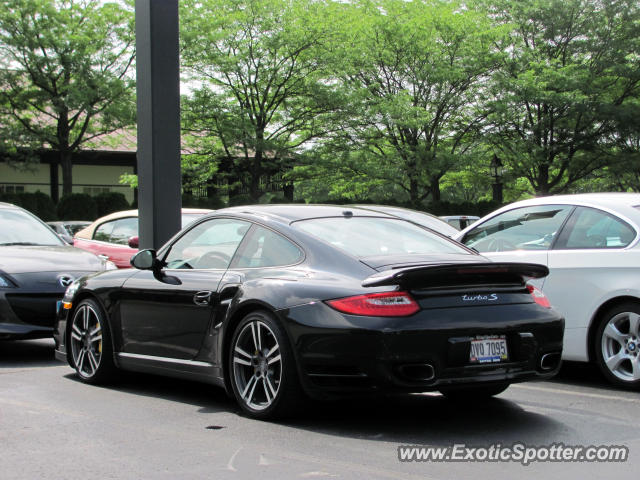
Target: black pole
x=158 y=91
x=497 y=191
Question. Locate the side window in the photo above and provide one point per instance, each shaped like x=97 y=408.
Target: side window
x=268 y=249
x=124 y=229
x=210 y=244
x=528 y=228
x=103 y=232
x=591 y=228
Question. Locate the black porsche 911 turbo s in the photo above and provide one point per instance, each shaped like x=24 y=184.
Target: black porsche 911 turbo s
x=276 y=302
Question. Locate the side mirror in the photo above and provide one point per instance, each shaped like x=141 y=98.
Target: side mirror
x=144 y=260
x=147 y=260
x=134 y=242
x=67 y=238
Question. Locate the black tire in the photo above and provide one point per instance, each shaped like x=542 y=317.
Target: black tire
x=89 y=343
x=265 y=387
x=473 y=393
x=608 y=345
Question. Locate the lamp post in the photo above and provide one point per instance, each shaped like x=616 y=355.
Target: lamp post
x=497 y=171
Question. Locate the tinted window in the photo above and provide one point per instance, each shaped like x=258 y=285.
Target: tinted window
x=529 y=228
x=593 y=228
x=268 y=249
x=210 y=244
x=370 y=236
x=20 y=227
x=123 y=230
x=103 y=232
x=119 y=231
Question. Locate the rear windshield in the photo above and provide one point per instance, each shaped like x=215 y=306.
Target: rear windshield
x=372 y=236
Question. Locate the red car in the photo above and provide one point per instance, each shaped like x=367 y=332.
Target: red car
x=116 y=235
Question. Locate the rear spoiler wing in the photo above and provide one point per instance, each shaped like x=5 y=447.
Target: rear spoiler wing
x=436 y=275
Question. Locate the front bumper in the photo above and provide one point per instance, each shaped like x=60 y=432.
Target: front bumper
x=26 y=315
x=340 y=354
x=29 y=309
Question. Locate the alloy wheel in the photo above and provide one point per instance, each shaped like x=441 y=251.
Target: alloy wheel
x=86 y=340
x=620 y=346
x=257 y=365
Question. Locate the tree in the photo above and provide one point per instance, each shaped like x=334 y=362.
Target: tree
x=570 y=70
x=415 y=71
x=260 y=97
x=65 y=76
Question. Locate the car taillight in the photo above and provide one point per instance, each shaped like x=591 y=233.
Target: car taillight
x=539 y=297
x=387 y=304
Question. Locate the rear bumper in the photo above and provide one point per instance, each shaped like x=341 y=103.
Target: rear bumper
x=428 y=351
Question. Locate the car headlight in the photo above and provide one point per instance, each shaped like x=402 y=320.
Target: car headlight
x=5 y=282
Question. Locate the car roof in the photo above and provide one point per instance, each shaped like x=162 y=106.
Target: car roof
x=8 y=205
x=289 y=213
x=87 y=232
x=134 y=213
x=602 y=199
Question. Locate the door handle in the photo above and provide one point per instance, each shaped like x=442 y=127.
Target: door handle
x=202 y=298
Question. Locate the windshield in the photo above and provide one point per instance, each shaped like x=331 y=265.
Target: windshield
x=18 y=227
x=371 y=236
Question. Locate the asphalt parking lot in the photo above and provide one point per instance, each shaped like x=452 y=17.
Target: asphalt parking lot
x=52 y=427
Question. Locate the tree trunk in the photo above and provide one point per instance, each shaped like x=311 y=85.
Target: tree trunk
x=543 y=181
x=435 y=189
x=288 y=191
x=254 y=183
x=67 y=172
x=256 y=171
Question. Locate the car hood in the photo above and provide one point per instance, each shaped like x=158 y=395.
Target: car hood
x=29 y=259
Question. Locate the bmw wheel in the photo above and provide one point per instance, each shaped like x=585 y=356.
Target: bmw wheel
x=263 y=374
x=617 y=345
x=90 y=343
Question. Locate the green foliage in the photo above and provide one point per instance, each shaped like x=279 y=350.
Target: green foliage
x=77 y=206
x=479 y=208
x=262 y=93
x=110 y=202
x=240 y=199
x=65 y=75
x=130 y=179
x=414 y=71
x=213 y=202
x=569 y=77
x=38 y=203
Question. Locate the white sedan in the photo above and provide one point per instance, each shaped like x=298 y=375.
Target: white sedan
x=590 y=242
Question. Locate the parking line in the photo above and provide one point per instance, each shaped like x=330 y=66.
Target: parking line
x=580 y=394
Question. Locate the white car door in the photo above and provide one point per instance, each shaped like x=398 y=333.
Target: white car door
x=589 y=265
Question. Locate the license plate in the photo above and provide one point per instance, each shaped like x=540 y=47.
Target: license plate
x=58 y=306
x=488 y=349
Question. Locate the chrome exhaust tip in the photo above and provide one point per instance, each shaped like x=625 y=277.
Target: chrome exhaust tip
x=418 y=372
x=550 y=361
